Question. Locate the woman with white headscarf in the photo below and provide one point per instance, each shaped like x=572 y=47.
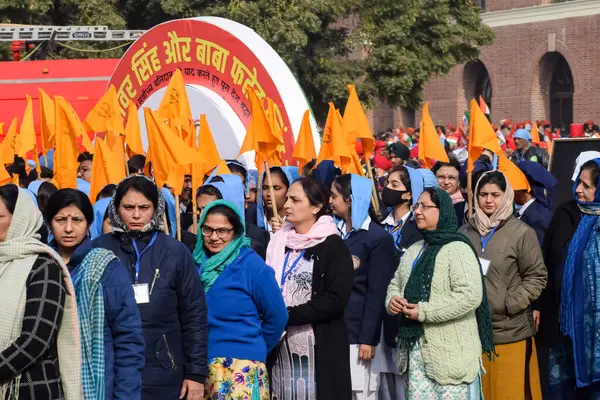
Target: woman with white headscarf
x=39 y=338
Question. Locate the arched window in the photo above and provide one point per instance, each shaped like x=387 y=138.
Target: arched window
x=561 y=93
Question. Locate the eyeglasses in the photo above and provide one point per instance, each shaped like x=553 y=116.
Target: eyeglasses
x=416 y=206
x=222 y=233
x=450 y=178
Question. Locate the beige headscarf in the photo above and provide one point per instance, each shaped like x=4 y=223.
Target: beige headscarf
x=17 y=255
x=484 y=224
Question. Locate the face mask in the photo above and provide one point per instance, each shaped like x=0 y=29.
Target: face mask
x=393 y=198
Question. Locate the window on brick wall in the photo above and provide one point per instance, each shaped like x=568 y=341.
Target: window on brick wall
x=561 y=93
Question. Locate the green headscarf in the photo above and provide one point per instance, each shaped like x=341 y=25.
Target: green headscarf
x=213 y=266
x=418 y=287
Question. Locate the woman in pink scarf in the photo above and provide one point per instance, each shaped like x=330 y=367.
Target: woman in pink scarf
x=316 y=274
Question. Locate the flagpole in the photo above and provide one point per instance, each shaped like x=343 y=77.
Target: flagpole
x=271 y=190
x=166 y=224
x=374 y=199
x=470 y=193
x=195 y=217
x=126 y=160
x=178 y=218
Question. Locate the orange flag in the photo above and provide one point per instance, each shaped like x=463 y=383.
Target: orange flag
x=333 y=144
x=26 y=139
x=107 y=168
x=272 y=112
x=208 y=156
x=223 y=169
x=133 y=137
x=353 y=165
x=7 y=147
x=67 y=129
x=535 y=135
x=74 y=124
x=304 y=150
x=46 y=121
x=481 y=136
x=513 y=174
x=430 y=145
x=106 y=114
x=175 y=107
x=4 y=176
x=167 y=152
x=118 y=151
x=355 y=120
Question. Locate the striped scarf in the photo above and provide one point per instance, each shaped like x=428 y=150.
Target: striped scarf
x=90 y=304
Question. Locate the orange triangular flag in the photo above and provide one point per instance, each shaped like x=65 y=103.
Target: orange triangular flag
x=74 y=124
x=166 y=150
x=481 y=136
x=7 y=147
x=304 y=150
x=26 y=142
x=535 y=135
x=66 y=129
x=266 y=140
x=208 y=155
x=46 y=121
x=513 y=174
x=133 y=137
x=175 y=107
x=430 y=145
x=351 y=166
x=118 y=151
x=4 y=175
x=107 y=168
x=106 y=114
x=272 y=113
x=355 y=120
x=333 y=145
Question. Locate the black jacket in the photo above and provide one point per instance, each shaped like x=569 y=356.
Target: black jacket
x=538 y=217
x=174 y=321
x=259 y=239
x=333 y=278
x=373 y=254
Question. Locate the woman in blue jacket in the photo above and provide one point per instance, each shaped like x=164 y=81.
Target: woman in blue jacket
x=373 y=254
x=246 y=312
x=111 y=329
x=168 y=292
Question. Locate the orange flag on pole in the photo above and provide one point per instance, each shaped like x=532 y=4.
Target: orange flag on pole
x=167 y=152
x=133 y=137
x=4 y=176
x=7 y=147
x=106 y=115
x=304 y=150
x=353 y=165
x=356 y=122
x=175 y=107
x=535 y=135
x=208 y=156
x=481 y=136
x=46 y=121
x=430 y=145
x=272 y=112
x=106 y=166
x=26 y=142
x=74 y=124
x=333 y=144
x=67 y=128
x=513 y=174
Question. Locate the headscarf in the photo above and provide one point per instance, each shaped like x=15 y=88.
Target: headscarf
x=18 y=253
x=287 y=237
x=580 y=291
x=100 y=208
x=84 y=186
x=484 y=224
x=155 y=224
x=541 y=181
x=232 y=190
x=291 y=174
x=361 y=200
x=429 y=179
x=418 y=286
x=582 y=159
x=35 y=186
x=211 y=267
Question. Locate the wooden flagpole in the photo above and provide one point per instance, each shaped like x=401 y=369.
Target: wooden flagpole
x=470 y=193
x=374 y=198
x=271 y=190
x=177 y=218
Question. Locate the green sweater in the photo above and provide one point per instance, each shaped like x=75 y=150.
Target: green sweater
x=450 y=347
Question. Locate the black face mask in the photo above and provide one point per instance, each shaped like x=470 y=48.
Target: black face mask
x=393 y=198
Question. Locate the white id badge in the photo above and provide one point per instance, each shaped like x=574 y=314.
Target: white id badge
x=485 y=265
x=142 y=296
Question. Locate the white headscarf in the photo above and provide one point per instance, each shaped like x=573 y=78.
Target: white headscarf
x=582 y=159
x=17 y=255
x=484 y=224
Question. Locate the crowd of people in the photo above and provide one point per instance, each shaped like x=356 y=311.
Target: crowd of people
x=308 y=284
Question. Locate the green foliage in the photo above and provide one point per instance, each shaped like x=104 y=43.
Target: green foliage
x=389 y=48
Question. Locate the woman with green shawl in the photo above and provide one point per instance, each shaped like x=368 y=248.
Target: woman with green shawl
x=246 y=312
x=438 y=293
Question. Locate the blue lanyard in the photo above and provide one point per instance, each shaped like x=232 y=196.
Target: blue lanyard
x=418 y=256
x=139 y=255
x=486 y=239
x=74 y=274
x=345 y=235
x=286 y=272
x=396 y=234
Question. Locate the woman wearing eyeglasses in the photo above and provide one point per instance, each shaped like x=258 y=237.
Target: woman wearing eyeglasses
x=447 y=175
x=439 y=294
x=246 y=312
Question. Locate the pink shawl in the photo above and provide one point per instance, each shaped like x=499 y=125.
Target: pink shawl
x=287 y=237
x=457 y=197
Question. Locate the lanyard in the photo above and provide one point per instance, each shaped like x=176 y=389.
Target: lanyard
x=345 y=235
x=396 y=233
x=486 y=239
x=286 y=272
x=74 y=274
x=418 y=256
x=139 y=255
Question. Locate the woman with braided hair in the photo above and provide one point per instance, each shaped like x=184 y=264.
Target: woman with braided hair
x=439 y=294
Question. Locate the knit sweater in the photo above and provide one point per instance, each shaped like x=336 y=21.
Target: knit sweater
x=450 y=347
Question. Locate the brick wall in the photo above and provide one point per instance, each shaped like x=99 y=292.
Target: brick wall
x=499 y=5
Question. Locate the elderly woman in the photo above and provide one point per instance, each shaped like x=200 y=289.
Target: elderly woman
x=38 y=333
x=438 y=291
x=515 y=273
x=167 y=290
x=110 y=324
x=246 y=312
x=448 y=175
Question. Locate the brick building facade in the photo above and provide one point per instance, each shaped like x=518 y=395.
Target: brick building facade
x=543 y=64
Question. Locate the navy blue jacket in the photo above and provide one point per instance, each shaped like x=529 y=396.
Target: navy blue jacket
x=375 y=262
x=174 y=321
x=410 y=236
x=123 y=340
x=538 y=217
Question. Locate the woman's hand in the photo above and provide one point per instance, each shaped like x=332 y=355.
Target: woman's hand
x=276 y=223
x=396 y=305
x=411 y=311
x=194 y=390
x=366 y=352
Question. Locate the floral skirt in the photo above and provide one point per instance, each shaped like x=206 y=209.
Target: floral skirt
x=233 y=379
